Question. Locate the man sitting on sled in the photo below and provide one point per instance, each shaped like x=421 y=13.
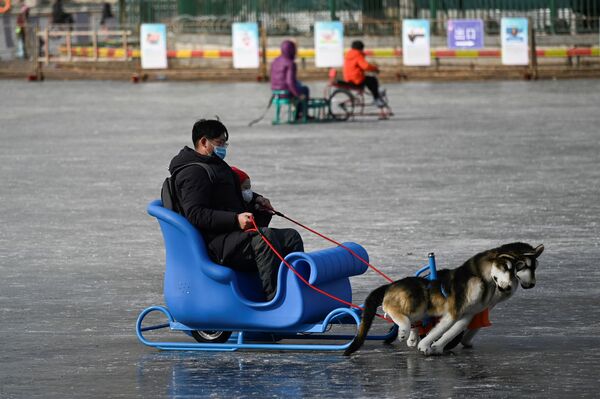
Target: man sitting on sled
x=210 y=197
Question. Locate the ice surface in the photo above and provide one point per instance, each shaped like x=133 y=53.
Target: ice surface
x=462 y=167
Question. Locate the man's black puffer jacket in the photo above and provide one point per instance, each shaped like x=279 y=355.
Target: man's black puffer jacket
x=212 y=207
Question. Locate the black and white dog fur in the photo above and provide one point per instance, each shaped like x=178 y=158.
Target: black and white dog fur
x=455 y=297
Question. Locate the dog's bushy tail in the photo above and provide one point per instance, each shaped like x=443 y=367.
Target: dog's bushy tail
x=373 y=301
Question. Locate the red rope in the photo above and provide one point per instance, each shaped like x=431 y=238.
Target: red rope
x=303 y=279
x=336 y=243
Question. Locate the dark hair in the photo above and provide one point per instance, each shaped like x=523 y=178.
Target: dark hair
x=358 y=45
x=209 y=128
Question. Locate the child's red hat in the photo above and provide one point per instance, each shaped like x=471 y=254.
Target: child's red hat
x=242 y=176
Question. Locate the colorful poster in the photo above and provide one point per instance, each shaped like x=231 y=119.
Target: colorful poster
x=465 y=33
x=515 y=41
x=244 y=37
x=153 y=39
x=329 y=44
x=416 y=50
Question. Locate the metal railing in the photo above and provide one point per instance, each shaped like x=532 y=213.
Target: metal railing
x=88 y=49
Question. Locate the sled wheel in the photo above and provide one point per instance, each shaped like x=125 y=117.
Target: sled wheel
x=341 y=104
x=452 y=344
x=215 y=337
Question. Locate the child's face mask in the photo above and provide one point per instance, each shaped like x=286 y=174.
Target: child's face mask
x=247 y=195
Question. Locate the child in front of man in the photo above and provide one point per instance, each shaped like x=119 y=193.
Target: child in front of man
x=261 y=215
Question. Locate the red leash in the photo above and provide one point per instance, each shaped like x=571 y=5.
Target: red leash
x=350 y=304
x=334 y=242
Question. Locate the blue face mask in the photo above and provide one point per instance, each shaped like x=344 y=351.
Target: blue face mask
x=247 y=195
x=220 y=152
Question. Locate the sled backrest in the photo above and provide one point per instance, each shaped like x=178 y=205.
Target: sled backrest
x=185 y=248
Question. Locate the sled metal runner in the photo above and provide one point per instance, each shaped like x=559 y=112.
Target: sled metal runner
x=256 y=340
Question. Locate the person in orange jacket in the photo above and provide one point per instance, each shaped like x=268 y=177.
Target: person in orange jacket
x=355 y=66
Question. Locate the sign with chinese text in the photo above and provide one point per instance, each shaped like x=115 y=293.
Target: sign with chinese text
x=465 y=33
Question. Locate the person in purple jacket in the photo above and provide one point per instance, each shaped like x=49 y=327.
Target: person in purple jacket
x=283 y=75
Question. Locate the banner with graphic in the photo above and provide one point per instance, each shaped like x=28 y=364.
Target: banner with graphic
x=329 y=44
x=515 y=41
x=465 y=34
x=244 y=38
x=416 y=50
x=153 y=43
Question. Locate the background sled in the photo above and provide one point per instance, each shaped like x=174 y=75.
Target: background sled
x=317 y=109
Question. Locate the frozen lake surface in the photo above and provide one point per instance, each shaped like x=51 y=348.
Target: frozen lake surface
x=461 y=168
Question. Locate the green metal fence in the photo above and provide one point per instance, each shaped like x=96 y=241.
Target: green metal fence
x=146 y=11
x=360 y=16
x=550 y=16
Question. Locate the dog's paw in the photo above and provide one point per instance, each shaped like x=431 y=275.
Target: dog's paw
x=428 y=351
x=413 y=340
x=424 y=348
x=402 y=335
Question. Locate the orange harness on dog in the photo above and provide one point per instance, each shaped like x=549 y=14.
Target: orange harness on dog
x=480 y=320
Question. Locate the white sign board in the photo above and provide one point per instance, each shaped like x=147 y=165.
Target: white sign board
x=153 y=39
x=515 y=41
x=329 y=44
x=416 y=49
x=244 y=39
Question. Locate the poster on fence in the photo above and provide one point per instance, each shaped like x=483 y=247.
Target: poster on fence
x=329 y=44
x=153 y=43
x=465 y=34
x=415 y=42
x=244 y=39
x=515 y=41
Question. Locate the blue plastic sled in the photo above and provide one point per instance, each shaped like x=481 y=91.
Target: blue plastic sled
x=203 y=296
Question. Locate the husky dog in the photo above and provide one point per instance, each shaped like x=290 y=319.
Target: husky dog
x=525 y=266
x=456 y=296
